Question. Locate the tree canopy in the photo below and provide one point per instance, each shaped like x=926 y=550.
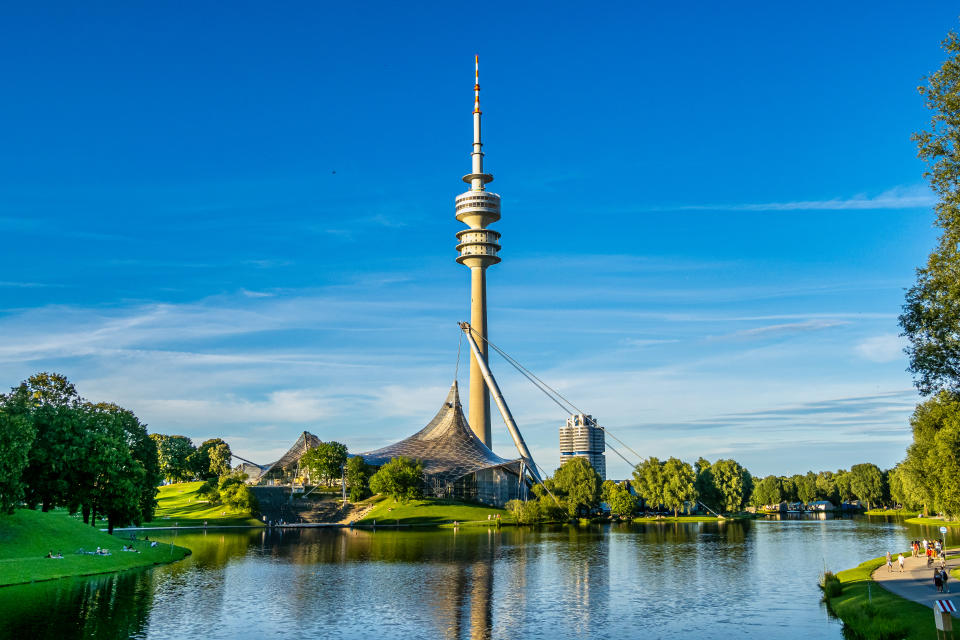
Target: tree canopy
x=324 y=461
x=401 y=479
x=931 y=313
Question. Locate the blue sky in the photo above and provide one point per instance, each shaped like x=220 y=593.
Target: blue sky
x=240 y=223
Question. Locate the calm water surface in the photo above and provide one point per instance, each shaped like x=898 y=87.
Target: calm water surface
x=752 y=579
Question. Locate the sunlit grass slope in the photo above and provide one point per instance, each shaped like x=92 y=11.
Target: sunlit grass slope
x=430 y=512
x=179 y=505
x=27 y=536
x=873 y=613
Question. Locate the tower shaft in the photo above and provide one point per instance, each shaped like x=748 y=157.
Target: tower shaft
x=478 y=246
x=479 y=394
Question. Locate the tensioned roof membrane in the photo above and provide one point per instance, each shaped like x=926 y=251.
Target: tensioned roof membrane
x=447 y=446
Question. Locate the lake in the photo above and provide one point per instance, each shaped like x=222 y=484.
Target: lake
x=743 y=579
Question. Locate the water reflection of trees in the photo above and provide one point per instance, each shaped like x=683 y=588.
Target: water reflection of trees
x=112 y=606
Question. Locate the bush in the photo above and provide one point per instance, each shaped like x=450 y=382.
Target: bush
x=525 y=512
x=209 y=492
x=401 y=479
x=830 y=584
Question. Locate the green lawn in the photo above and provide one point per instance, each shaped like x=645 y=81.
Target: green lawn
x=677 y=519
x=179 y=505
x=873 y=613
x=937 y=522
x=27 y=536
x=892 y=512
x=430 y=512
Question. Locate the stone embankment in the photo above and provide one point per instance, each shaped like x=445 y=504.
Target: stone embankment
x=276 y=505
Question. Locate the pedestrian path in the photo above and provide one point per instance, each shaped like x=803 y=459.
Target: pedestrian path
x=915 y=582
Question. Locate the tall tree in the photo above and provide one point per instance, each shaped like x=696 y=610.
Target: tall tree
x=767 y=492
x=733 y=483
x=208 y=462
x=325 y=461
x=174 y=454
x=649 y=482
x=16 y=438
x=706 y=485
x=144 y=462
x=679 y=489
x=931 y=314
x=807 y=487
x=577 y=479
x=358 y=473
x=866 y=482
x=53 y=408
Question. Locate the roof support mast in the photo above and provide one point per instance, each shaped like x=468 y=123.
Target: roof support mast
x=501 y=403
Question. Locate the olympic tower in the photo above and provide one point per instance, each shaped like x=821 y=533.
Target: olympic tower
x=478 y=246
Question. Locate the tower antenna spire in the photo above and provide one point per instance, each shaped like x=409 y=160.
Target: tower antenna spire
x=476 y=86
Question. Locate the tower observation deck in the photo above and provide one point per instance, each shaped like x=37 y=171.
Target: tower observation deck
x=478 y=247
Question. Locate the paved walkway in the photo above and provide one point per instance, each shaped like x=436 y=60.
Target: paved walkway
x=916 y=581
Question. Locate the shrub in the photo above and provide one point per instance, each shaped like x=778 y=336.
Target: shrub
x=209 y=492
x=525 y=512
x=830 y=584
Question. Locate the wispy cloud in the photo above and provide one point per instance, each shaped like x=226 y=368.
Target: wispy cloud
x=896 y=198
x=27 y=285
x=884 y=348
x=778 y=330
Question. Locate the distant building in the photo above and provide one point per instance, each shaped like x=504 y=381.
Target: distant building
x=582 y=438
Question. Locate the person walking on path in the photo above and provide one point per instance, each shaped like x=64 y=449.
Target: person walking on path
x=900 y=561
x=938 y=580
x=889 y=562
x=943 y=579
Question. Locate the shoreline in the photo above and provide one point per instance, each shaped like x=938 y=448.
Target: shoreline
x=871 y=611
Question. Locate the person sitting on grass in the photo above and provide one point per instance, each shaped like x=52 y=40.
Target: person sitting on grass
x=49 y=554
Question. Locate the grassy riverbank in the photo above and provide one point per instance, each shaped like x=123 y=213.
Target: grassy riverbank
x=873 y=613
x=179 y=505
x=934 y=522
x=677 y=519
x=27 y=536
x=902 y=513
x=430 y=513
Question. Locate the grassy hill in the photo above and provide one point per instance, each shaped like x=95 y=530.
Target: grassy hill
x=179 y=505
x=27 y=536
x=429 y=512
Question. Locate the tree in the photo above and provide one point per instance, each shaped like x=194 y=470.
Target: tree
x=842 y=480
x=622 y=502
x=866 y=482
x=649 y=482
x=706 y=485
x=235 y=493
x=51 y=404
x=358 y=472
x=767 y=492
x=401 y=479
x=210 y=460
x=679 y=488
x=325 y=461
x=922 y=473
x=733 y=485
x=220 y=457
x=174 y=454
x=827 y=487
x=931 y=314
x=528 y=512
x=577 y=480
x=16 y=438
x=143 y=467
x=807 y=487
